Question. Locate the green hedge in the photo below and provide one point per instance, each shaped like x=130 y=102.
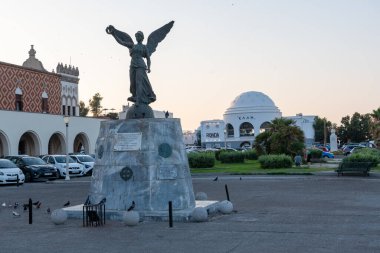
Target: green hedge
x=231 y=157
x=251 y=154
x=365 y=155
x=201 y=160
x=275 y=161
x=315 y=153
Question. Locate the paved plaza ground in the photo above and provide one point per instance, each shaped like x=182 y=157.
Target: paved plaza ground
x=319 y=213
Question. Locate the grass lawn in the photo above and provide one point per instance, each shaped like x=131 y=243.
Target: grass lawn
x=250 y=167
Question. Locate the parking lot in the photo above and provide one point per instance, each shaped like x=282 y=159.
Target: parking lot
x=320 y=213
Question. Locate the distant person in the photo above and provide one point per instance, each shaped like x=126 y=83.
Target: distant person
x=167 y=114
x=298 y=160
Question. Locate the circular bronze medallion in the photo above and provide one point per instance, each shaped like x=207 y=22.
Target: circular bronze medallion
x=164 y=150
x=126 y=173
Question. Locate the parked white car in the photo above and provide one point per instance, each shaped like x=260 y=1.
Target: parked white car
x=9 y=172
x=86 y=160
x=59 y=161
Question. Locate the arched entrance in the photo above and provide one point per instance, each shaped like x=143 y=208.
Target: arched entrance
x=57 y=144
x=245 y=144
x=4 y=145
x=29 y=144
x=265 y=127
x=81 y=143
x=246 y=129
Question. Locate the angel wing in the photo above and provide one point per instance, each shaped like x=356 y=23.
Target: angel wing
x=157 y=36
x=121 y=37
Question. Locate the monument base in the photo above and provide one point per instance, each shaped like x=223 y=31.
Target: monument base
x=139 y=111
x=76 y=212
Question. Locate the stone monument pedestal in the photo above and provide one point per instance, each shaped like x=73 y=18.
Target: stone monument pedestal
x=142 y=161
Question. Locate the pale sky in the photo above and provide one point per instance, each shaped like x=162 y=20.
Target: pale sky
x=316 y=57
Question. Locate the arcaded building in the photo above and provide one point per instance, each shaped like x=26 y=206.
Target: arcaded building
x=33 y=102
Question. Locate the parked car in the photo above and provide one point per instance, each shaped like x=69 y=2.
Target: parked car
x=87 y=161
x=326 y=154
x=9 y=172
x=59 y=161
x=347 y=148
x=34 y=168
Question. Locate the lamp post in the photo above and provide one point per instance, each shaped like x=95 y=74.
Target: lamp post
x=225 y=139
x=66 y=119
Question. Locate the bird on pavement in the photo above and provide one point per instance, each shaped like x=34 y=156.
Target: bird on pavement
x=132 y=206
x=15 y=206
x=16 y=214
x=36 y=203
x=67 y=204
x=240 y=178
x=26 y=206
x=48 y=210
x=215 y=179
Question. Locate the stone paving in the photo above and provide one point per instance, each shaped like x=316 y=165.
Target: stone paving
x=319 y=213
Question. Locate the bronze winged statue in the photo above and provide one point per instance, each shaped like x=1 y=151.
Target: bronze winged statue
x=140 y=87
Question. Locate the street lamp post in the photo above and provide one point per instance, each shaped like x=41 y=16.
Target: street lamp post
x=66 y=119
x=225 y=139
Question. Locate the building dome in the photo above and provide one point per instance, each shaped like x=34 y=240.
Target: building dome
x=252 y=101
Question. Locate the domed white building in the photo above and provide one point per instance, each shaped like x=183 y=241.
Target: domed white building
x=249 y=114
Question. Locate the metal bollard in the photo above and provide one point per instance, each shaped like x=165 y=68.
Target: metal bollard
x=228 y=195
x=30 y=211
x=170 y=214
x=17 y=181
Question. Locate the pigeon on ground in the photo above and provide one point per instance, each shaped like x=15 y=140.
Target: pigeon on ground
x=16 y=214
x=15 y=206
x=215 y=179
x=48 y=210
x=26 y=206
x=67 y=204
x=36 y=203
x=240 y=178
x=132 y=206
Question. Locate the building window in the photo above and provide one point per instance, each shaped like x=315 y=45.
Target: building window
x=68 y=110
x=246 y=129
x=45 y=108
x=63 y=110
x=19 y=104
x=74 y=111
x=230 y=130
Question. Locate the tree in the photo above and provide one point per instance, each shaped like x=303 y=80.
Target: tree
x=282 y=137
x=95 y=105
x=113 y=115
x=375 y=129
x=319 y=129
x=356 y=128
x=83 y=110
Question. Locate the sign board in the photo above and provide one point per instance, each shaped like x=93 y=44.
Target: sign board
x=128 y=142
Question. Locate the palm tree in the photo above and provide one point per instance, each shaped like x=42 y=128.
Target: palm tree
x=376 y=125
x=282 y=137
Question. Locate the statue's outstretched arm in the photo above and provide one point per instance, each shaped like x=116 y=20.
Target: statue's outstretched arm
x=121 y=37
x=158 y=36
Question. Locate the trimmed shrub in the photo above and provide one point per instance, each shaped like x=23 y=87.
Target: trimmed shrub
x=275 y=161
x=201 y=160
x=365 y=155
x=232 y=157
x=315 y=153
x=251 y=154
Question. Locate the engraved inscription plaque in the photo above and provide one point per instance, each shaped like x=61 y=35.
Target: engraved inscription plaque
x=127 y=142
x=167 y=172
